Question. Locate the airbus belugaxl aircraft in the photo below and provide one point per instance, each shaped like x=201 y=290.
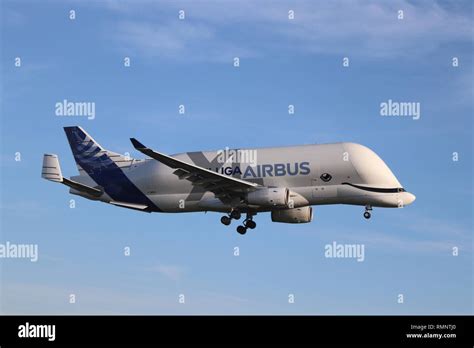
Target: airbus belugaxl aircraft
x=285 y=181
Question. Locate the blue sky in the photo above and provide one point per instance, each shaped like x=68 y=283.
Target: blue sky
x=407 y=251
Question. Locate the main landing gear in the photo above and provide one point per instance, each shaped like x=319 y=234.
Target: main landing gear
x=368 y=209
x=248 y=223
x=234 y=214
x=226 y=220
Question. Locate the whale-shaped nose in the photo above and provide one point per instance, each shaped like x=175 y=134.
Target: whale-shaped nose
x=408 y=198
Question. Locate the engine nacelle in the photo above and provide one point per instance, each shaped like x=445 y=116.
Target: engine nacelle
x=273 y=197
x=293 y=216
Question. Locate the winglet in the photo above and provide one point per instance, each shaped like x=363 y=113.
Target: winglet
x=136 y=144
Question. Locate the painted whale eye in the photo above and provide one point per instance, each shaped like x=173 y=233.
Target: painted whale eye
x=326 y=177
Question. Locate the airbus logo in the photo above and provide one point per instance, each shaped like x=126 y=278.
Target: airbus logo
x=266 y=170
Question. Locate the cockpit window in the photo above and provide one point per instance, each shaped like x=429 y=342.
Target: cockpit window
x=401 y=189
x=326 y=177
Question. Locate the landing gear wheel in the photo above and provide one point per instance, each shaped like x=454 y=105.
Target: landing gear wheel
x=250 y=224
x=241 y=229
x=235 y=214
x=367 y=215
x=226 y=220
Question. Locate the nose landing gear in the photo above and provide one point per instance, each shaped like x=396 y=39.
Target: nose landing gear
x=368 y=209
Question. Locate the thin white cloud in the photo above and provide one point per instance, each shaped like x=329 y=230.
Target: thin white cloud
x=169 y=40
x=219 y=31
x=172 y=272
x=176 y=41
x=441 y=228
x=14 y=18
x=420 y=234
x=381 y=239
x=21 y=207
x=37 y=298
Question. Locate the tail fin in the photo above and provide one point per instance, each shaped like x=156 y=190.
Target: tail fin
x=51 y=169
x=89 y=155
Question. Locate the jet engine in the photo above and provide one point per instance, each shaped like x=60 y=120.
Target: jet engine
x=293 y=216
x=268 y=196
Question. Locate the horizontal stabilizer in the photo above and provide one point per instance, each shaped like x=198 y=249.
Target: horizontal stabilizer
x=52 y=171
x=81 y=187
x=130 y=205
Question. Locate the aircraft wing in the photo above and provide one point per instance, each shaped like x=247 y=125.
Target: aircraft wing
x=221 y=185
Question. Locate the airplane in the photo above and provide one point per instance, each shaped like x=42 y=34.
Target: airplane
x=285 y=181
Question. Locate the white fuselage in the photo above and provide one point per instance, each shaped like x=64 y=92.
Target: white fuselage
x=340 y=173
